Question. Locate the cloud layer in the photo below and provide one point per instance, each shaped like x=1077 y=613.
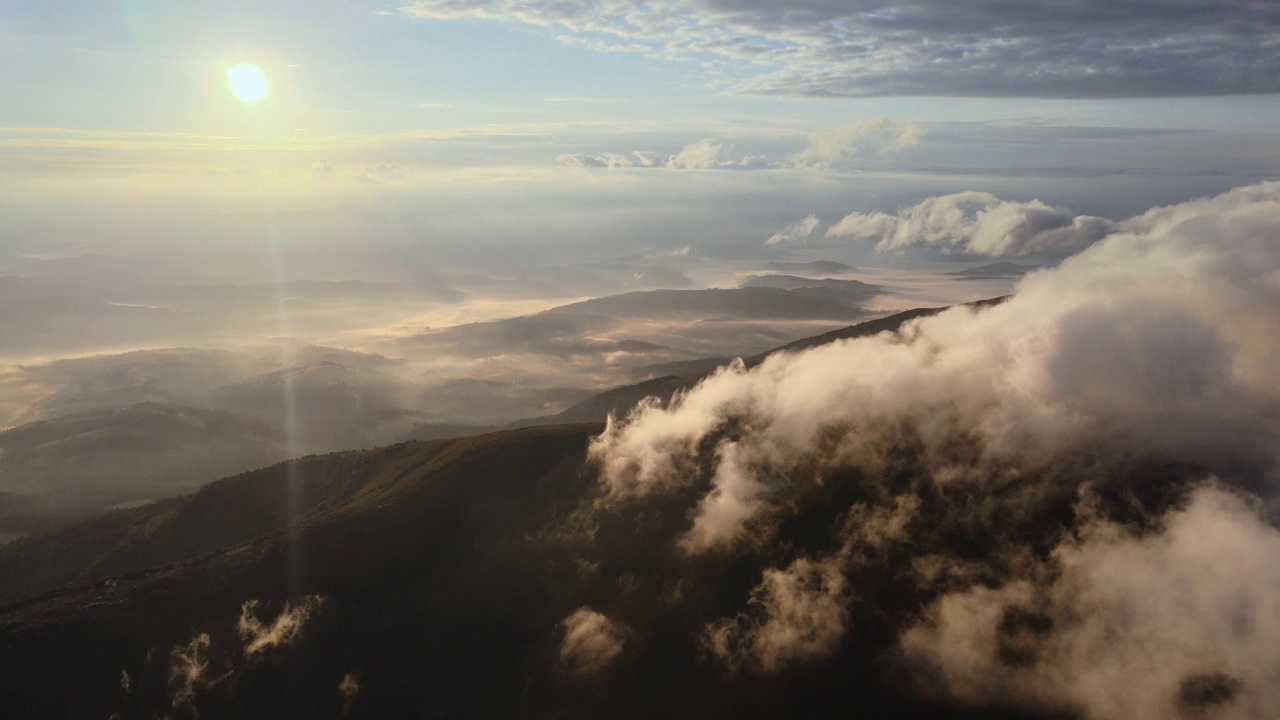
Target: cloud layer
x=977 y=223
x=1080 y=48
x=843 y=147
x=1059 y=476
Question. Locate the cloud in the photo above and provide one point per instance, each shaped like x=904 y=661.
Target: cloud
x=794 y=233
x=322 y=170
x=591 y=641
x=349 y=689
x=800 y=613
x=1125 y=625
x=188 y=671
x=1159 y=334
x=977 y=223
x=834 y=148
x=837 y=148
x=286 y=628
x=1031 y=472
x=602 y=46
x=702 y=155
x=1083 y=48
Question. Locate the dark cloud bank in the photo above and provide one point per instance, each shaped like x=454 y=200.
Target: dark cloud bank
x=1061 y=505
x=1074 y=49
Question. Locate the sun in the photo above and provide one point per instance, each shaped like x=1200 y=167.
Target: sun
x=247 y=83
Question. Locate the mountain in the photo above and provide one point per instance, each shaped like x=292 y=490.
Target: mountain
x=447 y=578
x=326 y=405
x=817 y=267
x=173 y=375
x=503 y=575
x=853 y=288
x=85 y=462
x=747 y=303
x=1000 y=269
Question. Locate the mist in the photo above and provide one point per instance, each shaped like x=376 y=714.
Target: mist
x=1053 y=474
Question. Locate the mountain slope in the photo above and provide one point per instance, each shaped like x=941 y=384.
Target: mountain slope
x=140 y=452
x=444 y=585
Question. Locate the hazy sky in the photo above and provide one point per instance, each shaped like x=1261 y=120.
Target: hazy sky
x=389 y=92
x=453 y=144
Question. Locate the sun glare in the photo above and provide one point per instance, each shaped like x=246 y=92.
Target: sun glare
x=247 y=83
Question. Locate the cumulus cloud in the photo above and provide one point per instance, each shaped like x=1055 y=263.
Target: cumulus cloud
x=794 y=233
x=1082 y=48
x=383 y=173
x=797 y=614
x=1125 y=625
x=1123 y=376
x=836 y=148
x=977 y=223
x=286 y=628
x=591 y=641
x=1161 y=333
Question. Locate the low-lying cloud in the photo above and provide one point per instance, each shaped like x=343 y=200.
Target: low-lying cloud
x=1072 y=483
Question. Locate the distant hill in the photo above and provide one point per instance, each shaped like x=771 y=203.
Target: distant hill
x=1000 y=269
x=93 y=460
x=327 y=405
x=680 y=367
x=817 y=267
x=746 y=303
x=791 y=282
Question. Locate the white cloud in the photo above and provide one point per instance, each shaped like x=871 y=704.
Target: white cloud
x=286 y=628
x=1126 y=625
x=798 y=614
x=794 y=233
x=591 y=641
x=977 y=223
x=837 y=148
